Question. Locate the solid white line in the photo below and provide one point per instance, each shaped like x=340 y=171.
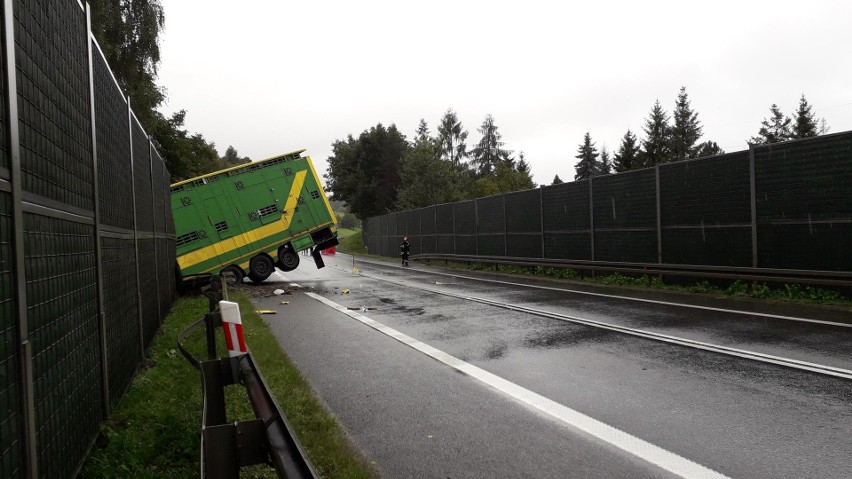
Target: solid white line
x=631 y=444
x=630 y=298
x=766 y=358
x=285 y=279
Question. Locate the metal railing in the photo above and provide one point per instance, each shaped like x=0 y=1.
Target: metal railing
x=228 y=446
x=791 y=276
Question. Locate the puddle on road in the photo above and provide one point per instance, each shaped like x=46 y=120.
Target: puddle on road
x=564 y=337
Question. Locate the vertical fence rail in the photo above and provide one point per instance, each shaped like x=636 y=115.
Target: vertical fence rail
x=659 y=219
x=753 y=196
x=105 y=399
x=591 y=219
x=24 y=347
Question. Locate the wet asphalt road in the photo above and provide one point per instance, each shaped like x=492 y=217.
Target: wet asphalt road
x=416 y=417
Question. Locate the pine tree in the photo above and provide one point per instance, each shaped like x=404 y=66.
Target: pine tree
x=452 y=137
x=588 y=156
x=627 y=157
x=422 y=130
x=489 y=151
x=605 y=165
x=708 y=148
x=774 y=129
x=557 y=180
x=522 y=166
x=805 y=123
x=686 y=130
x=655 y=146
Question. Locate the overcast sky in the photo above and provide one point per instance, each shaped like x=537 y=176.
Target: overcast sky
x=271 y=76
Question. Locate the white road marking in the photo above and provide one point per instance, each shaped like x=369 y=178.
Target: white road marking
x=285 y=279
x=629 y=298
x=742 y=353
x=631 y=444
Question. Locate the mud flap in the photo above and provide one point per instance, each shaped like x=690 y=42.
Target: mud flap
x=318 y=258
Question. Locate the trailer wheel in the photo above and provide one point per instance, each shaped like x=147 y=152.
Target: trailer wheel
x=260 y=267
x=237 y=272
x=288 y=260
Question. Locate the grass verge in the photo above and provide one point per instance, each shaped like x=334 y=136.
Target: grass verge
x=352 y=244
x=154 y=431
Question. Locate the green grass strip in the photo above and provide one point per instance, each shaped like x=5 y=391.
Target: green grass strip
x=154 y=431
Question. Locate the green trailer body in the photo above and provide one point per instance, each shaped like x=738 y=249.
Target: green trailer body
x=253 y=217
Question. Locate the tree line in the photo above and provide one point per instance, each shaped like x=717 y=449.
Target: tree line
x=678 y=137
x=382 y=171
x=128 y=32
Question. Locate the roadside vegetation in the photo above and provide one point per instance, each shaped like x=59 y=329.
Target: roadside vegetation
x=154 y=431
x=353 y=244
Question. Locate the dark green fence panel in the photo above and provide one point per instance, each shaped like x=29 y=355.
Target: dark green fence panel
x=63 y=327
x=142 y=179
x=705 y=211
x=10 y=404
x=412 y=230
x=464 y=218
x=523 y=224
x=428 y=230
x=490 y=226
x=803 y=193
x=446 y=235
x=51 y=57
x=55 y=108
x=565 y=218
x=625 y=217
x=120 y=312
x=115 y=183
x=148 y=289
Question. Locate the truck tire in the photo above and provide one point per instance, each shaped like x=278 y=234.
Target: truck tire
x=237 y=272
x=288 y=260
x=260 y=267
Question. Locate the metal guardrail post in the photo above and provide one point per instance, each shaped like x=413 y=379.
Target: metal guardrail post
x=24 y=346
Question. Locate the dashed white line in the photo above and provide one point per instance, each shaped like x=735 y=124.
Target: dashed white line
x=631 y=444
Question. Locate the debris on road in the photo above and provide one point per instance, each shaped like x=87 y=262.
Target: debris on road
x=266 y=311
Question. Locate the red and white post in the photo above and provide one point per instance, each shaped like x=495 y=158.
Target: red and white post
x=232 y=323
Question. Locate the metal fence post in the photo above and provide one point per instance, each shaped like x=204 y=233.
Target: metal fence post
x=154 y=226
x=475 y=226
x=99 y=270
x=592 y=219
x=24 y=347
x=435 y=208
x=753 y=206
x=454 y=228
x=135 y=234
x=659 y=218
x=505 y=229
x=541 y=218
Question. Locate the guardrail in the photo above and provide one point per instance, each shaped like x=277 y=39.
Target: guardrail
x=793 y=276
x=226 y=447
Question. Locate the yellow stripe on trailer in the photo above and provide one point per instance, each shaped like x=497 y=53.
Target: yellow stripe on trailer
x=255 y=235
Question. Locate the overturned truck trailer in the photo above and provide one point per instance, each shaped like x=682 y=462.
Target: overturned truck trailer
x=248 y=219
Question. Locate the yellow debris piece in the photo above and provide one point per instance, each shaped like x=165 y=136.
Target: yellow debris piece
x=344 y=291
x=266 y=311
